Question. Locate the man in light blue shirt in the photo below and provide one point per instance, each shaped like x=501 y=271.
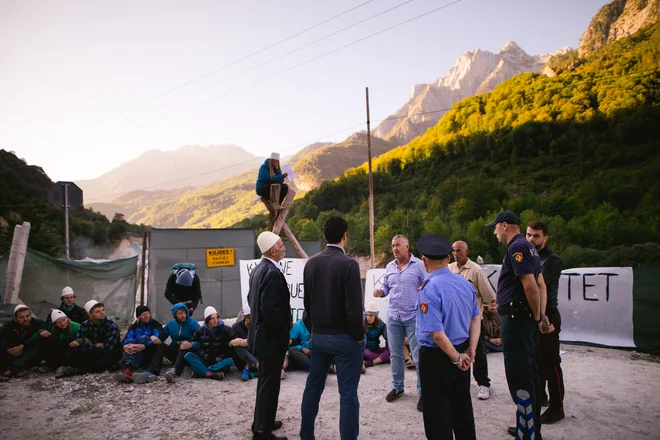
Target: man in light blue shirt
x=402 y=279
x=448 y=325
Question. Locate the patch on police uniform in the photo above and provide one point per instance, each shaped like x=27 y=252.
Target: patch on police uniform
x=518 y=257
x=424 y=307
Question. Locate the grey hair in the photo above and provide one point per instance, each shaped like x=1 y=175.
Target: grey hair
x=401 y=237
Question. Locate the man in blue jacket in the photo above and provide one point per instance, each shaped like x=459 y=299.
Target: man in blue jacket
x=181 y=329
x=270 y=173
x=142 y=349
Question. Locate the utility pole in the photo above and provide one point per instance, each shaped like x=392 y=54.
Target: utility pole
x=66 y=220
x=371 y=189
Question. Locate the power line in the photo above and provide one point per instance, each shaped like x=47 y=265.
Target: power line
x=377 y=121
x=199 y=78
x=307 y=61
x=325 y=37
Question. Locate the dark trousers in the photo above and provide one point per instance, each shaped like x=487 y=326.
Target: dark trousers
x=16 y=364
x=268 y=394
x=550 y=364
x=492 y=347
x=243 y=357
x=520 y=341
x=95 y=361
x=347 y=355
x=55 y=352
x=446 y=396
x=150 y=358
x=298 y=359
x=264 y=191
x=480 y=367
x=175 y=355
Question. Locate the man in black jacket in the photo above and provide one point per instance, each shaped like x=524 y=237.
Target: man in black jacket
x=184 y=286
x=20 y=347
x=549 y=358
x=72 y=310
x=268 y=336
x=333 y=302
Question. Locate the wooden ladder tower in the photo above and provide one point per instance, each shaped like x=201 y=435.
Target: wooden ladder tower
x=278 y=217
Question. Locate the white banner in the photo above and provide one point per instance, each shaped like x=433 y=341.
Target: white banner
x=293 y=272
x=596 y=304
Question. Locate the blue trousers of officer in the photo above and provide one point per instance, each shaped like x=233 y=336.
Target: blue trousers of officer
x=520 y=341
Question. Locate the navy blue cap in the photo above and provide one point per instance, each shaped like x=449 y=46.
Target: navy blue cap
x=509 y=217
x=434 y=247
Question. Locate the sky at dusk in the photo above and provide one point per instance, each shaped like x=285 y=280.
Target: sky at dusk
x=88 y=85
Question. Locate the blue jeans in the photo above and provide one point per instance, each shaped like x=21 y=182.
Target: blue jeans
x=347 y=355
x=397 y=331
x=200 y=367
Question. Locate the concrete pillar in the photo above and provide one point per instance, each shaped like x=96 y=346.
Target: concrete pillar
x=12 y=284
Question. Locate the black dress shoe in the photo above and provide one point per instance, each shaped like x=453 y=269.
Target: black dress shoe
x=549 y=417
x=277 y=425
x=513 y=431
x=393 y=395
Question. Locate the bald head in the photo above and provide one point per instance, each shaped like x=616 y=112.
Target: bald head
x=460 y=252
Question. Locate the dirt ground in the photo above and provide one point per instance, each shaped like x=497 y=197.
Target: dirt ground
x=610 y=394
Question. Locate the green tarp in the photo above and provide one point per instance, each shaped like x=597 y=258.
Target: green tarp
x=112 y=282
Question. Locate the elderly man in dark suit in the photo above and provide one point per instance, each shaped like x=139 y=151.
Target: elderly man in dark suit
x=268 y=337
x=333 y=302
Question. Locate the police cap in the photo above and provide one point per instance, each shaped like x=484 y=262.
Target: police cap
x=434 y=247
x=509 y=217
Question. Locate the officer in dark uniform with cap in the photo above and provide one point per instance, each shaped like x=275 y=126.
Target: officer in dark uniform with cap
x=448 y=327
x=521 y=297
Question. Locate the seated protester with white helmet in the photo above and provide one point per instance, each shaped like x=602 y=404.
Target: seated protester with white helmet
x=183 y=286
x=19 y=351
x=62 y=341
x=72 y=310
x=101 y=346
x=216 y=341
x=142 y=348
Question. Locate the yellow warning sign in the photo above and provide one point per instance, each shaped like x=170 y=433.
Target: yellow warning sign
x=219 y=257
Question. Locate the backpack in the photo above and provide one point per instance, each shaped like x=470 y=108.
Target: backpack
x=181 y=266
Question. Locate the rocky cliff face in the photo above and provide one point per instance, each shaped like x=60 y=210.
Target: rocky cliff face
x=616 y=20
x=475 y=72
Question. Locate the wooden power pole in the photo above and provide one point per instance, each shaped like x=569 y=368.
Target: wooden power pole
x=371 y=189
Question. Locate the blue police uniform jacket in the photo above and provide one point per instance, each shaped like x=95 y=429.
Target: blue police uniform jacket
x=447 y=302
x=521 y=258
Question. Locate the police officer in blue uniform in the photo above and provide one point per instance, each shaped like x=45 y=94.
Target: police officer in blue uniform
x=448 y=327
x=521 y=296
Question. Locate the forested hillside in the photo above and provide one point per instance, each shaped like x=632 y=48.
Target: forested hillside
x=579 y=150
x=23 y=197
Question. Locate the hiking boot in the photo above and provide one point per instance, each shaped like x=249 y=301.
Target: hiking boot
x=484 y=393
x=420 y=404
x=43 y=369
x=549 y=416
x=364 y=369
x=283 y=375
x=125 y=376
x=146 y=377
x=393 y=395
x=66 y=372
x=368 y=363
x=218 y=376
x=170 y=376
x=245 y=374
x=512 y=431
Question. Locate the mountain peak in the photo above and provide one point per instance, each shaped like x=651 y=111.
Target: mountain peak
x=511 y=46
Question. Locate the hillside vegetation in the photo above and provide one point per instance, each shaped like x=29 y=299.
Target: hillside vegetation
x=23 y=197
x=579 y=150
